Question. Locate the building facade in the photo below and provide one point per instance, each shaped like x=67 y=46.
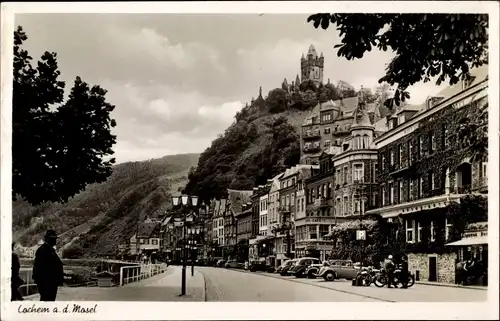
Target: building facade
x=424 y=173
x=326 y=125
x=244 y=223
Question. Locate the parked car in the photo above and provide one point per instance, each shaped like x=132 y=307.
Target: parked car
x=283 y=268
x=234 y=264
x=313 y=269
x=260 y=266
x=301 y=265
x=338 y=269
x=220 y=263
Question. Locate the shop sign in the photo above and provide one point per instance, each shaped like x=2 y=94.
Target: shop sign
x=361 y=235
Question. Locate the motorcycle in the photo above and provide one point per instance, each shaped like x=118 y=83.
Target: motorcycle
x=380 y=280
x=365 y=276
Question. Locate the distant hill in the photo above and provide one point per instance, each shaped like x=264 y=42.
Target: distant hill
x=106 y=214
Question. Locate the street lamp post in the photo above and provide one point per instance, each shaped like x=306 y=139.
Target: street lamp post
x=187 y=202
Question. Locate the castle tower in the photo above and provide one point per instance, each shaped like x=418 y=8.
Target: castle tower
x=297 y=82
x=312 y=66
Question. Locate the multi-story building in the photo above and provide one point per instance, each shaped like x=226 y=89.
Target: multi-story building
x=285 y=235
x=355 y=166
x=149 y=238
x=257 y=247
x=273 y=214
x=236 y=200
x=326 y=125
x=424 y=171
x=218 y=228
x=263 y=218
x=315 y=222
x=244 y=223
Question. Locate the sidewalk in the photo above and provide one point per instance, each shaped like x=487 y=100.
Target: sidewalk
x=452 y=285
x=161 y=287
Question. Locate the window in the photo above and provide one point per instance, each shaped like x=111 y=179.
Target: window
x=392 y=158
x=410 y=231
x=484 y=169
x=410 y=190
x=141 y=241
x=329 y=194
x=154 y=242
x=410 y=152
x=446 y=141
x=327 y=130
x=338 y=177
x=338 y=207
x=420 y=187
x=432 y=137
x=420 y=146
x=327 y=143
x=292 y=198
x=400 y=191
x=383 y=162
x=447 y=229
x=346 y=205
x=375 y=172
x=433 y=229
x=384 y=194
x=303 y=206
x=323 y=230
x=431 y=181
x=358 y=172
x=357 y=204
x=287 y=200
x=345 y=174
x=391 y=193
x=400 y=159
x=366 y=142
x=374 y=199
x=419 y=232
x=312 y=232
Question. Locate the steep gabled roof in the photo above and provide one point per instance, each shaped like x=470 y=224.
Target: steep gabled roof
x=145 y=230
x=237 y=198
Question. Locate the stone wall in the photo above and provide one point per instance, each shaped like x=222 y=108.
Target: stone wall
x=445 y=266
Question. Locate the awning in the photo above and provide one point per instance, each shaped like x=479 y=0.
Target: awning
x=470 y=241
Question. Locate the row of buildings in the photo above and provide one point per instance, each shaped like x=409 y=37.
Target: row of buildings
x=407 y=167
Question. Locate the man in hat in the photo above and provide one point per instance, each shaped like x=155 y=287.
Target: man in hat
x=48 y=269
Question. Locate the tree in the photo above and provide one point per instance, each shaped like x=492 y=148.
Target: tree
x=426 y=45
x=57 y=148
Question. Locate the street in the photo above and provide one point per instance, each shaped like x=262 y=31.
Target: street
x=238 y=285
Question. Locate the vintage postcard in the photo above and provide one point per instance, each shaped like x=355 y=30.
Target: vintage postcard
x=186 y=161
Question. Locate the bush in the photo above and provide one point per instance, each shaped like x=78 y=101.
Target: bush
x=72 y=252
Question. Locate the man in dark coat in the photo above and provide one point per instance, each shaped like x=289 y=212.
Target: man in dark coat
x=15 y=281
x=48 y=271
x=389 y=269
x=404 y=271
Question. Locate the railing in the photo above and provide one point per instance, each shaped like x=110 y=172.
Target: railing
x=320 y=202
x=284 y=208
x=129 y=274
x=465 y=189
x=308 y=135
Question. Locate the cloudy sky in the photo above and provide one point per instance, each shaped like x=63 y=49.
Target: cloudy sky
x=178 y=80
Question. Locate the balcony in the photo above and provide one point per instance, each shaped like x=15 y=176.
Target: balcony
x=312 y=147
x=464 y=189
x=311 y=135
x=284 y=208
x=320 y=202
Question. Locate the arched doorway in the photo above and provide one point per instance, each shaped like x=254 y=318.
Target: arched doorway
x=463 y=178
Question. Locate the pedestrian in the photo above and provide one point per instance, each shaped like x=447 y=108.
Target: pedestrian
x=404 y=271
x=389 y=269
x=48 y=272
x=15 y=280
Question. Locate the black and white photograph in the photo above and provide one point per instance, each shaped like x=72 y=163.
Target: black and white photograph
x=339 y=157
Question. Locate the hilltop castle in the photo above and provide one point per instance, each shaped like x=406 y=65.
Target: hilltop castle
x=311 y=68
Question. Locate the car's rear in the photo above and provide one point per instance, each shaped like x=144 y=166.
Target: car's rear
x=321 y=271
x=298 y=268
x=312 y=270
x=289 y=266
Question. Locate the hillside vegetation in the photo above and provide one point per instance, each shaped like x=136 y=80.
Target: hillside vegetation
x=105 y=214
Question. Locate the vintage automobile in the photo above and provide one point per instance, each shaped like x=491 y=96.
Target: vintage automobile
x=234 y=265
x=220 y=263
x=285 y=267
x=301 y=265
x=338 y=269
x=313 y=269
x=260 y=266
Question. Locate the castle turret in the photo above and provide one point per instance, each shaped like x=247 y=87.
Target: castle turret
x=362 y=128
x=312 y=67
x=297 y=81
x=284 y=85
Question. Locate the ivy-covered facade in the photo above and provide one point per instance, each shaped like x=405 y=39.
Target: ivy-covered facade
x=430 y=185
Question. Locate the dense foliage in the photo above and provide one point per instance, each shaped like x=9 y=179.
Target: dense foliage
x=246 y=155
x=425 y=45
x=105 y=214
x=58 y=147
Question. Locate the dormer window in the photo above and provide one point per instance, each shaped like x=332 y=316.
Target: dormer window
x=345 y=147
